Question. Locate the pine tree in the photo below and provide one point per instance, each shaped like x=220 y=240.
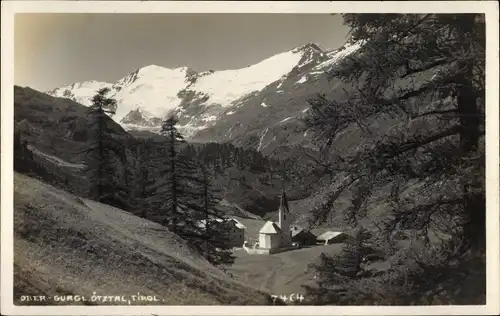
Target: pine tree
x=171 y=172
x=425 y=73
x=217 y=247
x=177 y=196
x=185 y=197
x=131 y=175
x=105 y=154
x=340 y=277
x=145 y=182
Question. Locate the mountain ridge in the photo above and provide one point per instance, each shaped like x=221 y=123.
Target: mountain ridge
x=202 y=100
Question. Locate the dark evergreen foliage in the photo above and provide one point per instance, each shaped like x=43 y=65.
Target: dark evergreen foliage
x=183 y=197
x=215 y=237
x=423 y=75
x=105 y=154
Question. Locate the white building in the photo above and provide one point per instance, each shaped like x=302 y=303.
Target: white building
x=270 y=236
x=277 y=235
x=235 y=231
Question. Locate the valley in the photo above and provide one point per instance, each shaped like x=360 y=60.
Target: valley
x=348 y=176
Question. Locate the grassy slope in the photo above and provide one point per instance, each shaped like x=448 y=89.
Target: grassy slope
x=65 y=245
x=282 y=273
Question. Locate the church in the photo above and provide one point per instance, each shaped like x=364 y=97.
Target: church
x=276 y=237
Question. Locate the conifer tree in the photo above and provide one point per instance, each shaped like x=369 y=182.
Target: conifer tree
x=216 y=235
x=184 y=196
x=338 y=274
x=105 y=154
x=145 y=182
x=171 y=170
x=176 y=194
x=422 y=75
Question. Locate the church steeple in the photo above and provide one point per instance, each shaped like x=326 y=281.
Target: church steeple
x=284 y=212
x=284 y=216
x=283 y=200
x=284 y=221
x=284 y=203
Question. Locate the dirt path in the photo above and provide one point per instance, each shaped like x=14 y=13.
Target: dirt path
x=55 y=160
x=270 y=280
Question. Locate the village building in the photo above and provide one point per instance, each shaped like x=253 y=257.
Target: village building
x=331 y=237
x=270 y=236
x=234 y=230
x=275 y=236
x=302 y=236
x=237 y=233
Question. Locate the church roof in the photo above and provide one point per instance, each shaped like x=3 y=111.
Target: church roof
x=270 y=228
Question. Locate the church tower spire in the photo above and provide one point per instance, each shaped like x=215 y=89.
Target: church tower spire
x=284 y=220
x=284 y=203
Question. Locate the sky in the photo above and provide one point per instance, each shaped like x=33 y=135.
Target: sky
x=55 y=50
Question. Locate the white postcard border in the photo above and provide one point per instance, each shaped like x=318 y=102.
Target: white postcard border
x=489 y=8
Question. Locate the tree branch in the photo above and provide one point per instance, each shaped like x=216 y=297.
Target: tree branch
x=410 y=71
x=436 y=112
x=413 y=145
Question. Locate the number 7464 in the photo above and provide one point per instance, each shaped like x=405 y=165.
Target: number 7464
x=294 y=297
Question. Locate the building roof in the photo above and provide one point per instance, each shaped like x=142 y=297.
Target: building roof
x=238 y=224
x=202 y=223
x=301 y=232
x=213 y=221
x=329 y=235
x=296 y=230
x=270 y=228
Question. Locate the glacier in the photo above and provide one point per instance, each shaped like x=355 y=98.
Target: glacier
x=200 y=98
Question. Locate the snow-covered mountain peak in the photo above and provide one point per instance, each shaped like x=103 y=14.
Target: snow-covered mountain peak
x=80 y=92
x=87 y=83
x=154 y=70
x=309 y=47
x=150 y=93
x=336 y=55
x=227 y=86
